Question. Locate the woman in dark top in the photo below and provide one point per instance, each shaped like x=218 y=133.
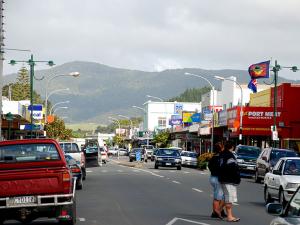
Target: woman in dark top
x=214 y=167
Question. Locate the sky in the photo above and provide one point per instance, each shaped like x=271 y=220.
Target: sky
x=154 y=35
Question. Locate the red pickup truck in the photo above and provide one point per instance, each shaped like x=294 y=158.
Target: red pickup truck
x=35 y=182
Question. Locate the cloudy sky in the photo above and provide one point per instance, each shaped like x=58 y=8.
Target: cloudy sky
x=154 y=35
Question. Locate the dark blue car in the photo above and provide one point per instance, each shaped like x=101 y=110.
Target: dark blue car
x=246 y=158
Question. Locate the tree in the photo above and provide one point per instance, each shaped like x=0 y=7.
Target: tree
x=161 y=139
x=191 y=95
x=57 y=130
x=21 y=89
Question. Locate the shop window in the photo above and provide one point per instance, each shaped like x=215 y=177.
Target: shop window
x=162 y=122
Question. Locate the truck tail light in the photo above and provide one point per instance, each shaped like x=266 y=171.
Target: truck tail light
x=67 y=180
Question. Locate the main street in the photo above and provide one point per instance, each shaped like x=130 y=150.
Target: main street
x=115 y=194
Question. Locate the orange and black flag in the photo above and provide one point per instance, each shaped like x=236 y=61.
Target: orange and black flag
x=259 y=70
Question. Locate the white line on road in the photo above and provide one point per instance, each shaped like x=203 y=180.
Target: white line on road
x=89 y=171
x=120 y=171
x=198 y=190
x=235 y=203
x=186 y=172
x=176 y=182
x=154 y=174
x=104 y=171
x=81 y=219
x=173 y=221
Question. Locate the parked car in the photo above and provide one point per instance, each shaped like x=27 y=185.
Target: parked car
x=76 y=171
x=35 y=182
x=123 y=152
x=132 y=154
x=267 y=160
x=93 y=154
x=288 y=215
x=154 y=154
x=189 y=158
x=283 y=181
x=72 y=149
x=166 y=157
x=246 y=159
x=112 y=151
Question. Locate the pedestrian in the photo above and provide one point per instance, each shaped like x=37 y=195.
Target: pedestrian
x=229 y=177
x=218 y=195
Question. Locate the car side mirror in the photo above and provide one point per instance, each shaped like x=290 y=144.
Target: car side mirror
x=274 y=209
x=277 y=172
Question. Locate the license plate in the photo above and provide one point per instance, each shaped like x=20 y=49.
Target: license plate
x=168 y=164
x=23 y=200
x=250 y=168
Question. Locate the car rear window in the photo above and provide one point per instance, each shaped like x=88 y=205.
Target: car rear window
x=28 y=153
x=69 y=147
x=278 y=154
x=248 y=151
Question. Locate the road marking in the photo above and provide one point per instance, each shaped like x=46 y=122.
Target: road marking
x=186 y=172
x=235 y=203
x=137 y=171
x=173 y=221
x=154 y=174
x=176 y=182
x=81 y=219
x=172 y=171
x=89 y=171
x=120 y=171
x=104 y=171
x=203 y=173
x=198 y=190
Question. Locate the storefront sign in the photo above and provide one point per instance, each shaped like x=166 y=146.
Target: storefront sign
x=222 y=118
x=186 y=117
x=178 y=108
x=37 y=111
x=204 y=131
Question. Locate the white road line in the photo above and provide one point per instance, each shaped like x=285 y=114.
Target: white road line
x=203 y=173
x=81 y=219
x=235 y=203
x=198 y=190
x=186 y=172
x=154 y=174
x=137 y=171
x=104 y=171
x=89 y=171
x=172 y=171
x=120 y=171
x=173 y=221
x=176 y=182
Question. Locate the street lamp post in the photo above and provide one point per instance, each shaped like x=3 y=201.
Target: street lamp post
x=58 y=103
x=150 y=96
x=213 y=105
x=241 y=104
x=131 y=124
x=118 y=121
x=72 y=74
x=31 y=62
x=61 y=107
x=144 y=126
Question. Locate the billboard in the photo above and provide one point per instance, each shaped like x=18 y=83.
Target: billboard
x=37 y=111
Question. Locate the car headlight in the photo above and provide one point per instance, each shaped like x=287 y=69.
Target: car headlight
x=291 y=186
x=159 y=159
x=177 y=160
x=240 y=160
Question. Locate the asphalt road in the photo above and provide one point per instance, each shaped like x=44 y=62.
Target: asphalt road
x=120 y=195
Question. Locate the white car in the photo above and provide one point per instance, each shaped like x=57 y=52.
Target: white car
x=189 y=158
x=112 y=151
x=283 y=181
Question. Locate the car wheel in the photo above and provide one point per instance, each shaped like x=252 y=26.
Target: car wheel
x=155 y=166
x=178 y=167
x=267 y=196
x=282 y=200
x=257 y=179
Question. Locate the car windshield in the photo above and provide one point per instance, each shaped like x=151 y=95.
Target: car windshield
x=248 y=151
x=278 y=154
x=92 y=149
x=168 y=152
x=69 y=147
x=189 y=154
x=292 y=167
x=28 y=153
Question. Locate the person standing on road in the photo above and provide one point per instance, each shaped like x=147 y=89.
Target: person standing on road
x=229 y=177
x=218 y=195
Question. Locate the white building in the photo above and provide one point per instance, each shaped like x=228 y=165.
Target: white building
x=158 y=114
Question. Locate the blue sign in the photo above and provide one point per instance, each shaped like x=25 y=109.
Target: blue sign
x=178 y=108
x=196 y=118
x=35 y=107
x=138 y=156
x=174 y=122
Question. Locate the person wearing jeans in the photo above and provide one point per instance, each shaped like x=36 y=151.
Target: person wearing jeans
x=229 y=177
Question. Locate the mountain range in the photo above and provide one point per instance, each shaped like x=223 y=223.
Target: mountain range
x=101 y=91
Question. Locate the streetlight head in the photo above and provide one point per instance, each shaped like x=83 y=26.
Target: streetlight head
x=294 y=68
x=12 y=62
x=219 y=78
x=74 y=74
x=50 y=63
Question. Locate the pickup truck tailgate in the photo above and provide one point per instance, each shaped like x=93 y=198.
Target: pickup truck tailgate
x=33 y=181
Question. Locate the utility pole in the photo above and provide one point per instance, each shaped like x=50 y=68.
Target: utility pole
x=1 y=61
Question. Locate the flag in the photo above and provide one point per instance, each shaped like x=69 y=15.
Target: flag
x=253 y=85
x=259 y=70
